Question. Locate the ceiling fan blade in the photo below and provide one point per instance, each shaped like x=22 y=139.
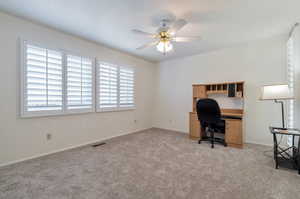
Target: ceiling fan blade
x=177 y=26
x=140 y=32
x=186 y=39
x=148 y=45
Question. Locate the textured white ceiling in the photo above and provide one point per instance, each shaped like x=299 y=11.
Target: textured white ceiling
x=220 y=22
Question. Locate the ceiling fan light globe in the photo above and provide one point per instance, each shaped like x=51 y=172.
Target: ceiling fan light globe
x=164 y=46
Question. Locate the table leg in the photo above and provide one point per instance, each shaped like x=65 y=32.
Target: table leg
x=275 y=150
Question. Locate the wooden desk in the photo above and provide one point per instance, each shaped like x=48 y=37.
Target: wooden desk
x=233 y=129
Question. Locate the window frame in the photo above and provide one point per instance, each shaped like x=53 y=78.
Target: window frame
x=23 y=113
x=290 y=48
x=110 y=109
x=118 y=108
x=65 y=85
x=134 y=105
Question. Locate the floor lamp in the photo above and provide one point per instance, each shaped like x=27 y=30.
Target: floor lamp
x=278 y=93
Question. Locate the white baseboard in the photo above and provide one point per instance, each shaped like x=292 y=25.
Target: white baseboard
x=68 y=148
x=259 y=143
x=101 y=140
x=246 y=142
x=166 y=129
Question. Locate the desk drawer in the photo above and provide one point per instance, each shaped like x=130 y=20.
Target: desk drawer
x=234 y=132
x=194 y=126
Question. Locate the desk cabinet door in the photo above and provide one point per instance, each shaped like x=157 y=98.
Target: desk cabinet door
x=199 y=92
x=194 y=126
x=234 y=133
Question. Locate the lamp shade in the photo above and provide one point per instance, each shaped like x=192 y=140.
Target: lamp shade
x=274 y=92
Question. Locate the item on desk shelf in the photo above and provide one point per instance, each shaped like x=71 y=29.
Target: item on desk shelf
x=239 y=94
x=231 y=90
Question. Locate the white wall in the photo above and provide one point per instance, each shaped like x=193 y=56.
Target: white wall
x=257 y=63
x=24 y=138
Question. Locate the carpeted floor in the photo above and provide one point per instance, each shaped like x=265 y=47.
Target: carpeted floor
x=151 y=164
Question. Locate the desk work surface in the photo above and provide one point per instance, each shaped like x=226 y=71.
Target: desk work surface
x=231 y=112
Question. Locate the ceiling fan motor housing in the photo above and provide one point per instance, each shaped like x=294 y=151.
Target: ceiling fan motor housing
x=164 y=25
x=164 y=36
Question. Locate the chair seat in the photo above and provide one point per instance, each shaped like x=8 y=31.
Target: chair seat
x=217 y=127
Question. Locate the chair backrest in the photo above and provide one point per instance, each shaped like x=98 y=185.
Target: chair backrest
x=208 y=111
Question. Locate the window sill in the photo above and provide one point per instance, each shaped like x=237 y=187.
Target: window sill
x=29 y=115
x=116 y=109
x=32 y=115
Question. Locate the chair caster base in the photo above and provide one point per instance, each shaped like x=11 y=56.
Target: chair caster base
x=215 y=140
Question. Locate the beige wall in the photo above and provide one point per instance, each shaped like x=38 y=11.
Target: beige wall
x=24 y=138
x=257 y=63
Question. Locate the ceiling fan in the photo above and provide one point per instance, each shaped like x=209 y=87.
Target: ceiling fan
x=166 y=35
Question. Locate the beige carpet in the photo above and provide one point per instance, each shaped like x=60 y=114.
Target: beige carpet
x=151 y=164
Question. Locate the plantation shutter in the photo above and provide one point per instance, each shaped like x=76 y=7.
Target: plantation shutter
x=107 y=87
x=126 y=88
x=42 y=82
x=79 y=84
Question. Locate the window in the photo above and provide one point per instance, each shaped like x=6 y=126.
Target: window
x=42 y=81
x=290 y=79
x=107 y=86
x=126 y=88
x=79 y=84
x=53 y=82
x=291 y=83
x=115 y=87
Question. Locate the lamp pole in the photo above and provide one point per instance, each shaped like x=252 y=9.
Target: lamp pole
x=282 y=111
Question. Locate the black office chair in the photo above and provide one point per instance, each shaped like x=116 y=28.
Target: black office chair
x=209 y=115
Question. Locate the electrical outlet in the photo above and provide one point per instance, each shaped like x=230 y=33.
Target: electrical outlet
x=48 y=136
